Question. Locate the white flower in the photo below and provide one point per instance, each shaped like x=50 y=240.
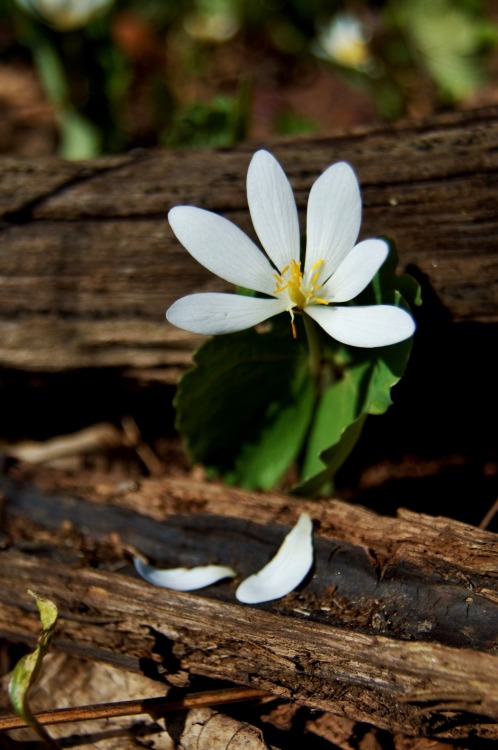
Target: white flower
x=335 y=269
x=212 y=21
x=183 y=579
x=66 y=14
x=285 y=571
x=343 y=40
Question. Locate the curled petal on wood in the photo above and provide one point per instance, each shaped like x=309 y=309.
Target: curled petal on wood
x=206 y=730
x=183 y=579
x=285 y=571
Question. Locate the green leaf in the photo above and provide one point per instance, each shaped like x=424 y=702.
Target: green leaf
x=28 y=669
x=245 y=407
x=361 y=383
x=250 y=406
x=261 y=465
x=448 y=41
x=80 y=139
x=333 y=458
x=338 y=407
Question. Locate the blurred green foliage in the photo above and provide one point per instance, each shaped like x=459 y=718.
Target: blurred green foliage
x=148 y=72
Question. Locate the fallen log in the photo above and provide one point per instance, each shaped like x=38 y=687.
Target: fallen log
x=396 y=625
x=89 y=263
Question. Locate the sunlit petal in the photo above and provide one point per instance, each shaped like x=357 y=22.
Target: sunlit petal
x=273 y=209
x=222 y=247
x=356 y=271
x=285 y=571
x=333 y=221
x=183 y=579
x=212 y=313
x=371 y=326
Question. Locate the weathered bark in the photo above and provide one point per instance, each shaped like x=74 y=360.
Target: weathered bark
x=89 y=264
x=397 y=625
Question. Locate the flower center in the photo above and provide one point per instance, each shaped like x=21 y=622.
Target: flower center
x=300 y=294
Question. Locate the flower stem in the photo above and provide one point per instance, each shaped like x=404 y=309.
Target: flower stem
x=315 y=358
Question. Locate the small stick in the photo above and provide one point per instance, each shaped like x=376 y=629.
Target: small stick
x=88 y=440
x=489 y=515
x=155 y=707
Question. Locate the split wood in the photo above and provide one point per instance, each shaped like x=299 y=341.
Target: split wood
x=396 y=626
x=73 y=232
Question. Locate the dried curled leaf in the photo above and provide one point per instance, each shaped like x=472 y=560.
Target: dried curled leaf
x=206 y=730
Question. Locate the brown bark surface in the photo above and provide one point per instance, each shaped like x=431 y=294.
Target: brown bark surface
x=396 y=626
x=89 y=263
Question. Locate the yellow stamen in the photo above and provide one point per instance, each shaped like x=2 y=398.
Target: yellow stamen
x=300 y=294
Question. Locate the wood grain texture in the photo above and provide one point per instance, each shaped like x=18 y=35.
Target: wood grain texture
x=89 y=264
x=397 y=625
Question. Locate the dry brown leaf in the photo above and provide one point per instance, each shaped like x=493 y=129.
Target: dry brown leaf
x=421 y=743
x=209 y=730
x=282 y=716
x=66 y=681
x=335 y=729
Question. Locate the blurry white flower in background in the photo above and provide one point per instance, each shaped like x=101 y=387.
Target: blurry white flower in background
x=344 y=41
x=66 y=14
x=212 y=21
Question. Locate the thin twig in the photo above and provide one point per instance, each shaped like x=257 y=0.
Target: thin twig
x=155 y=707
x=489 y=515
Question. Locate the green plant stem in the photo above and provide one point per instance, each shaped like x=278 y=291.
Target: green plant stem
x=323 y=370
x=314 y=350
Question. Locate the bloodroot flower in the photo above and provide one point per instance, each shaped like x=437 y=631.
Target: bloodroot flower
x=335 y=269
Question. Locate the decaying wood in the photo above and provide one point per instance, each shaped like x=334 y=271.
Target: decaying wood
x=89 y=263
x=397 y=625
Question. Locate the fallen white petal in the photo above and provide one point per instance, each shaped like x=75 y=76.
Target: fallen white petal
x=273 y=209
x=356 y=271
x=334 y=216
x=285 y=571
x=368 y=327
x=212 y=313
x=222 y=248
x=183 y=579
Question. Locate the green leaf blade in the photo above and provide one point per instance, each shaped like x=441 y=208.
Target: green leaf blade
x=28 y=668
x=244 y=408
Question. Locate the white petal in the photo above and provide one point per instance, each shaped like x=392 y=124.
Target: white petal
x=212 y=313
x=370 y=326
x=273 y=209
x=222 y=248
x=183 y=579
x=334 y=217
x=356 y=271
x=285 y=571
